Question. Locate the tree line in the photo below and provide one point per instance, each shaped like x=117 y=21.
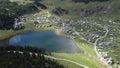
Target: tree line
x=25 y=60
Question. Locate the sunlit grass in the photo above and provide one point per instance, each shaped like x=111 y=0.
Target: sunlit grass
x=87 y=58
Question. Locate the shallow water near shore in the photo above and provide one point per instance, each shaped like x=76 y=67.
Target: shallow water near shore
x=47 y=40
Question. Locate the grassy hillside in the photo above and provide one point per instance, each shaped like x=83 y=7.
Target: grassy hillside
x=88 y=58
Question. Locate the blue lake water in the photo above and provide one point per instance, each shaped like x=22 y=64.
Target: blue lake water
x=47 y=40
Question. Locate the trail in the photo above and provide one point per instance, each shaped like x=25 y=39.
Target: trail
x=66 y=60
x=95 y=45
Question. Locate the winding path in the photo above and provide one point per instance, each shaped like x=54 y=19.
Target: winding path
x=95 y=45
x=66 y=60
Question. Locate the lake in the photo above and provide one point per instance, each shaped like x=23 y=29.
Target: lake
x=47 y=40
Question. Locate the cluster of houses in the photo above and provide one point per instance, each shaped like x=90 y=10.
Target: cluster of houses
x=92 y=35
x=104 y=55
x=64 y=25
x=18 y=24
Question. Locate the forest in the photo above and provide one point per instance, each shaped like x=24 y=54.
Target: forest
x=10 y=10
x=19 y=57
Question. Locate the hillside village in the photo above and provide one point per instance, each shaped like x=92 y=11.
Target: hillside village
x=102 y=33
x=68 y=26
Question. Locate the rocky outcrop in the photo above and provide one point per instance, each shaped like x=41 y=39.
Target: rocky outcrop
x=60 y=11
x=40 y=5
x=87 y=1
x=85 y=12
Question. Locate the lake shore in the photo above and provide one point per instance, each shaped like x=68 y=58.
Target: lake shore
x=44 y=39
x=4 y=39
